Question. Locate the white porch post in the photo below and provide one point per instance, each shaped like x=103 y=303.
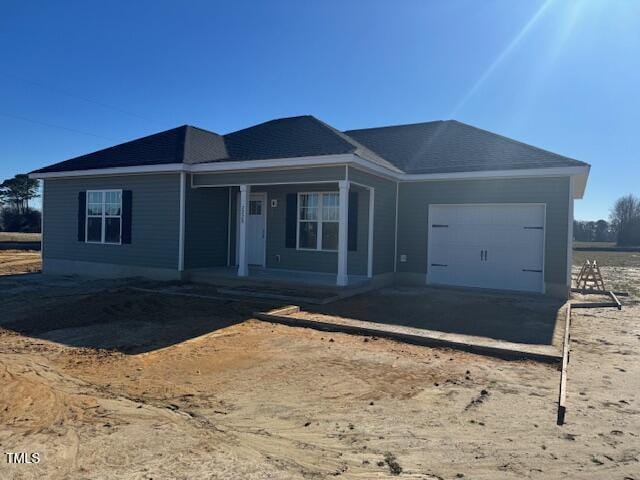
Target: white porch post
x=372 y=193
x=243 y=268
x=183 y=179
x=342 y=278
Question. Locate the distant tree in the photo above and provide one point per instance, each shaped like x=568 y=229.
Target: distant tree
x=17 y=192
x=580 y=231
x=13 y=221
x=601 y=231
x=588 y=231
x=625 y=220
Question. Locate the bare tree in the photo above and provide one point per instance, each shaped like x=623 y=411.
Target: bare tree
x=625 y=219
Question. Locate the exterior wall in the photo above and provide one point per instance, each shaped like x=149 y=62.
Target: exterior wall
x=58 y=266
x=206 y=227
x=155 y=220
x=305 y=260
x=302 y=175
x=415 y=198
x=384 y=221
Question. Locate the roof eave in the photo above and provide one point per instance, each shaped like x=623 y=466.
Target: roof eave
x=580 y=175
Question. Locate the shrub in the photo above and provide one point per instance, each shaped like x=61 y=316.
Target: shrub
x=14 y=221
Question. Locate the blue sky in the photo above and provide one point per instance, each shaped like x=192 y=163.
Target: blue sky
x=563 y=75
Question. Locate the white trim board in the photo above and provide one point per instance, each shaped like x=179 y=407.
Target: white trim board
x=580 y=173
x=181 y=222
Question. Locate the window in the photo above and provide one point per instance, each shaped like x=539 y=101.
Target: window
x=318 y=216
x=104 y=216
x=255 y=207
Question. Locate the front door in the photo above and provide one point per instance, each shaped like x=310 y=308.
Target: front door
x=256 y=229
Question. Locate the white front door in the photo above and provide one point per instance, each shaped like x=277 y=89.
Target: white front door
x=256 y=228
x=488 y=246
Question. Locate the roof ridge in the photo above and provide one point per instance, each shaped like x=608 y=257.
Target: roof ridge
x=203 y=129
x=266 y=122
x=338 y=133
x=355 y=143
x=395 y=126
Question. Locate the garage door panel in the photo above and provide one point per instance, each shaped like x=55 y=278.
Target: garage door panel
x=511 y=236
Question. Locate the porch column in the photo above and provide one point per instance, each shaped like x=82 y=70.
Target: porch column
x=342 y=278
x=243 y=268
x=372 y=202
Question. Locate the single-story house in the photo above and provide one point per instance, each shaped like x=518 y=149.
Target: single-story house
x=440 y=202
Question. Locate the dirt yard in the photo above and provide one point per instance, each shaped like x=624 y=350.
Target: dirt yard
x=13 y=262
x=106 y=382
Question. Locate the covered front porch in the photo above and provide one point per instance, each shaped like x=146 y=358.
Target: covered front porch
x=313 y=226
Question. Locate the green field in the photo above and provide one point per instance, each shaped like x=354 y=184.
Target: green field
x=13 y=237
x=594 y=245
x=609 y=259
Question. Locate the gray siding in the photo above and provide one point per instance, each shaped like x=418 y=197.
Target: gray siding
x=307 y=174
x=384 y=222
x=292 y=259
x=206 y=227
x=415 y=198
x=155 y=220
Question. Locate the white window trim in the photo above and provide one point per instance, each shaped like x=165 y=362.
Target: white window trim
x=103 y=216
x=319 y=221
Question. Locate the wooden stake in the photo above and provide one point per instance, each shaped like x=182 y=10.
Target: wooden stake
x=562 y=400
x=615 y=299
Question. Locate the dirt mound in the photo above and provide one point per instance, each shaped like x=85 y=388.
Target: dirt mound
x=127 y=321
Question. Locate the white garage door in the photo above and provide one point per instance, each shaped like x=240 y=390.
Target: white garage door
x=487 y=246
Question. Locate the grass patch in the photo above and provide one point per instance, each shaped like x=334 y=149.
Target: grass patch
x=608 y=259
x=13 y=237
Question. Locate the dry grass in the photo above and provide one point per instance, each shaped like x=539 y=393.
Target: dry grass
x=15 y=262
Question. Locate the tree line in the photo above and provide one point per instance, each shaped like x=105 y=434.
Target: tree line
x=16 y=215
x=623 y=226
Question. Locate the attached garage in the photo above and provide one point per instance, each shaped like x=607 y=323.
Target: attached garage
x=497 y=246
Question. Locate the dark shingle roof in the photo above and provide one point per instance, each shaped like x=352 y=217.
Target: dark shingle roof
x=157 y=149
x=303 y=136
x=434 y=147
x=451 y=146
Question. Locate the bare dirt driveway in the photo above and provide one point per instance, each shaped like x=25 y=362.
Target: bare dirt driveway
x=106 y=382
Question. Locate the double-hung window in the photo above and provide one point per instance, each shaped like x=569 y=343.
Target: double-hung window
x=104 y=216
x=318 y=217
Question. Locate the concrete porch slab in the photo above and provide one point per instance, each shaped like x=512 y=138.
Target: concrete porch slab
x=294 y=316
x=273 y=294
x=266 y=276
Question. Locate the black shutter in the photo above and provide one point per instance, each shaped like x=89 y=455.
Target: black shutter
x=292 y=213
x=352 y=229
x=126 y=216
x=82 y=215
